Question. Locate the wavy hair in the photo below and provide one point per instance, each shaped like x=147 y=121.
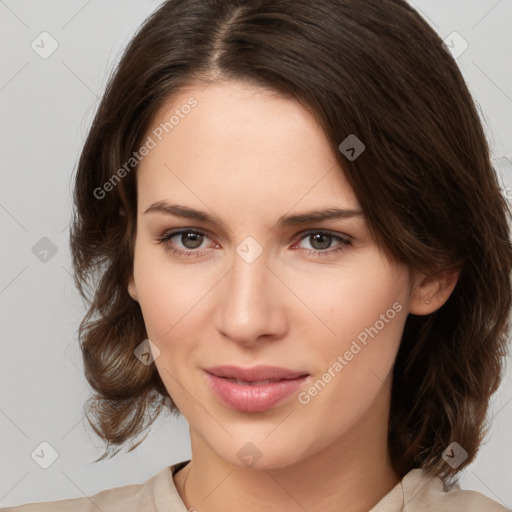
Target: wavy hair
x=425 y=182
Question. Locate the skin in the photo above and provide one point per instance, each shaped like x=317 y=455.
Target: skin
x=249 y=156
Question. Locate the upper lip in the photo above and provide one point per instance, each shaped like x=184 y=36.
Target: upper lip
x=255 y=373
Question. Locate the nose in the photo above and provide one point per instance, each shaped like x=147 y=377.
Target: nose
x=251 y=303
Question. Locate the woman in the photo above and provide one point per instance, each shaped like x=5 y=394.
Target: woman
x=295 y=238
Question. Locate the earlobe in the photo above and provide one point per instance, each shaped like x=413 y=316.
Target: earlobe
x=432 y=292
x=132 y=290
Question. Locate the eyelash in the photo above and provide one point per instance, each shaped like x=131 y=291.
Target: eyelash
x=166 y=237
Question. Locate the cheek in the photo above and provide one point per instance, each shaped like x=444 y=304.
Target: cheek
x=169 y=295
x=354 y=298
x=365 y=311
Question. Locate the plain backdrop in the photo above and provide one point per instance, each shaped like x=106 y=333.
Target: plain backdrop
x=47 y=105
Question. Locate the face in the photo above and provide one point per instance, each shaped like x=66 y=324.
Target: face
x=248 y=281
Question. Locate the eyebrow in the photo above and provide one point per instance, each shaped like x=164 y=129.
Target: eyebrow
x=284 y=221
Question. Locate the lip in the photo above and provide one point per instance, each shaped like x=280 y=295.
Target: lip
x=261 y=372
x=257 y=397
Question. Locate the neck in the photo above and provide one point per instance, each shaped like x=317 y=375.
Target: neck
x=352 y=474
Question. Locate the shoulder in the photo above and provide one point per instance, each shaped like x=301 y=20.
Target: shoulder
x=423 y=493
x=128 y=498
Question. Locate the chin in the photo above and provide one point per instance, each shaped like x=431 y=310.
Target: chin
x=261 y=455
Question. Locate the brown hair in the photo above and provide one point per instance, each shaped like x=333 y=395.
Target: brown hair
x=425 y=182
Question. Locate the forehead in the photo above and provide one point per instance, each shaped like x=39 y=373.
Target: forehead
x=240 y=142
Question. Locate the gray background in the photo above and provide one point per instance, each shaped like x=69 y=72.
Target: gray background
x=47 y=106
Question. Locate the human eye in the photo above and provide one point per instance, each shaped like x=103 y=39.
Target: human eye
x=191 y=240
x=322 y=240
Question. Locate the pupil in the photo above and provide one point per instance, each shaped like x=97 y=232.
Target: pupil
x=195 y=239
x=318 y=238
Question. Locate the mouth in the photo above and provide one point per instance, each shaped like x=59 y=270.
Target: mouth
x=254 y=382
x=259 y=373
x=253 y=389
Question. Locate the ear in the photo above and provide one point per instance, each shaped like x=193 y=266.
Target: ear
x=132 y=290
x=430 y=292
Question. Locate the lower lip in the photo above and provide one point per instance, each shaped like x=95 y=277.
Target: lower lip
x=246 y=398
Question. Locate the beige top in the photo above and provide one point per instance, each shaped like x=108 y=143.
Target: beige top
x=415 y=493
